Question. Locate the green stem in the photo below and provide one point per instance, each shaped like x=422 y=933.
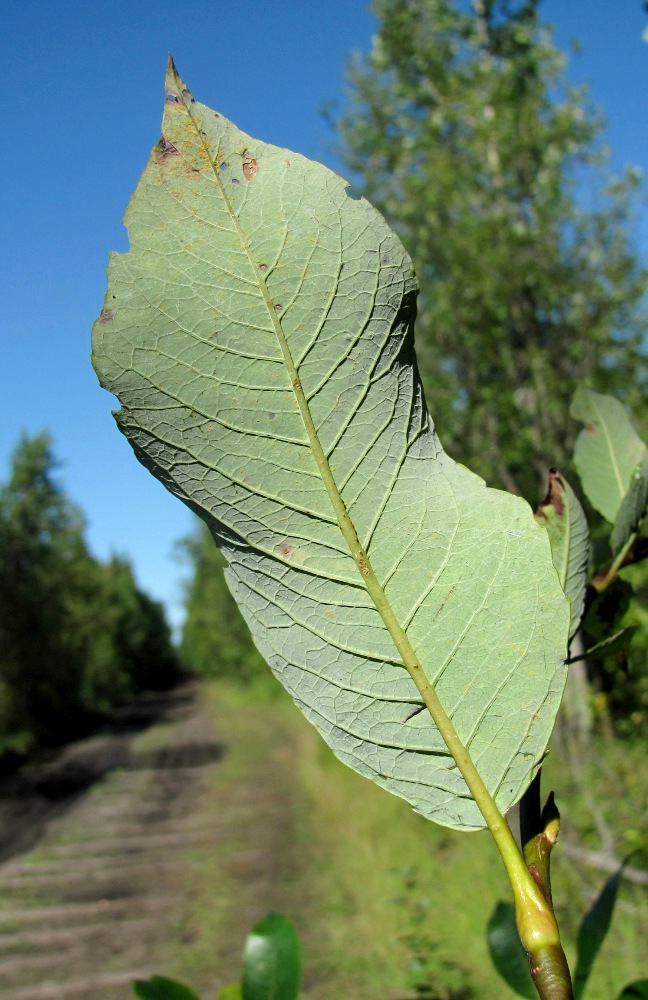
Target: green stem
x=601 y=583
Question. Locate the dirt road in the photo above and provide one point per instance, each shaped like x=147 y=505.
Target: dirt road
x=96 y=845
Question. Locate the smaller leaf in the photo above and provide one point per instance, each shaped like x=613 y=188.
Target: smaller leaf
x=593 y=930
x=607 y=450
x=161 y=988
x=271 y=961
x=506 y=951
x=563 y=517
x=617 y=643
x=635 y=991
x=633 y=509
x=605 y=615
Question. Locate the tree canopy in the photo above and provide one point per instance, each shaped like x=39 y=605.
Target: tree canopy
x=77 y=636
x=461 y=128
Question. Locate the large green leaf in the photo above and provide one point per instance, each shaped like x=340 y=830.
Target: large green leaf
x=607 y=450
x=259 y=337
x=563 y=517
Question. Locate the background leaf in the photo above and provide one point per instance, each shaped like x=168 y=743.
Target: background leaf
x=506 y=951
x=607 y=450
x=562 y=516
x=161 y=988
x=635 y=991
x=593 y=930
x=260 y=315
x=271 y=961
x=633 y=507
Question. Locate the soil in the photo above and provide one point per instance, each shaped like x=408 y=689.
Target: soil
x=94 y=847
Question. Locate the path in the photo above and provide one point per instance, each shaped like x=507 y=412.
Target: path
x=103 y=833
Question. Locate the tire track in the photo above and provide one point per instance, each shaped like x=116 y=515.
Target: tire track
x=90 y=903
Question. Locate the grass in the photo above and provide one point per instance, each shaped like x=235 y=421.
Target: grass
x=362 y=876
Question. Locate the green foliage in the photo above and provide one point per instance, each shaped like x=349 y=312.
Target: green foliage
x=76 y=636
x=215 y=642
x=607 y=450
x=463 y=132
x=355 y=546
x=635 y=991
x=429 y=976
x=509 y=958
x=563 y=517
x=506 y=951
x=161 y=988
x=593 y=930
x=610 y=457
x=271 y=961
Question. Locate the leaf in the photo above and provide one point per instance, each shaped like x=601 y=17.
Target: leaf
x=271 y=961
x=593 y=930
x=563 y=517
x=617 y=643
x=259 y=337
x=607 y=450
x=161 y=988
x=633 y=509
x=605 y=615
x=635 y=991
x=506 y=951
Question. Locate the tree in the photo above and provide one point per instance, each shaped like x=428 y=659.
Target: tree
x=464 y=134
x=215 y=640
x=76 y=636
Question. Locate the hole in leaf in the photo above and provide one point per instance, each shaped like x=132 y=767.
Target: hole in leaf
x=278 y=307
x=263 y=267
x=223 y=166
x=235 y=180
x=170 y=98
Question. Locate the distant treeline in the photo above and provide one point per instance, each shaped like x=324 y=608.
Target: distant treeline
x=77 y=636
x=215 y=640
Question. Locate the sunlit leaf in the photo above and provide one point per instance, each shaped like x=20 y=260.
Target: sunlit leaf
x=259 y=337
x=607 y=450
x=271 y=961
x=563 y=517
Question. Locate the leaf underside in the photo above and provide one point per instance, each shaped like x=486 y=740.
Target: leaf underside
x=245 y=259
x=607 y=450
x=563 y=517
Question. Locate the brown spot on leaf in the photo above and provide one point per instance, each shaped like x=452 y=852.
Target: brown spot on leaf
x=284 y=549
x=105 y=316
x=250 y=166
x=554 y=497
x=164 y=150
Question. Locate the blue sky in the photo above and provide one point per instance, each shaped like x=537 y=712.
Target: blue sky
x=82 y=106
